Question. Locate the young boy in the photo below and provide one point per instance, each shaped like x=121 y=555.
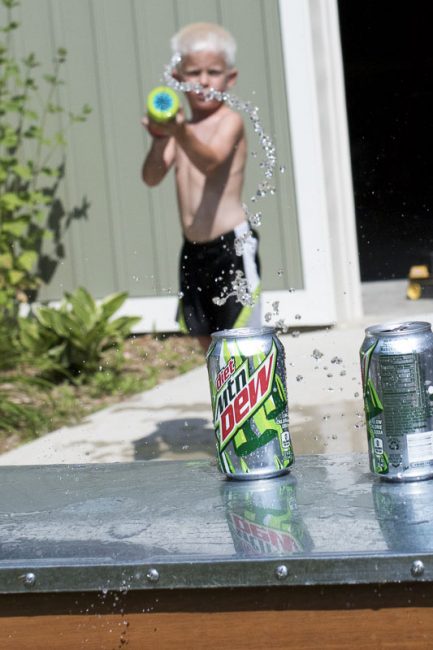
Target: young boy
x=209 y=154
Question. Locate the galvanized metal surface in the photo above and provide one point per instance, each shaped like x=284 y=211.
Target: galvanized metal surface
x=168 y=525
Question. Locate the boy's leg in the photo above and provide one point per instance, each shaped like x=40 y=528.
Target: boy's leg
x=204 y=342
x=232 y=313
x=191 y=314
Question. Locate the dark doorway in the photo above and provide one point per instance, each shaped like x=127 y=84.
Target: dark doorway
x=388 y=66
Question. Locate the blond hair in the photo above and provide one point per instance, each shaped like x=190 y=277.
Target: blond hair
x=201 y=37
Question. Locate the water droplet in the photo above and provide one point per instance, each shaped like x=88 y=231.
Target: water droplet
x=268 y=316
x=299 y=378
x=298 y=316
x=282 y=169
x=316 y=354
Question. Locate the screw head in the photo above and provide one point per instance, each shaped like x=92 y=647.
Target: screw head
x=417 y=568
x=28 y=579
x=281 y=572
x=152 y=575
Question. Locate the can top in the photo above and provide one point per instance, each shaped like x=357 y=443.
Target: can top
x=398 y=328
x=243 y=332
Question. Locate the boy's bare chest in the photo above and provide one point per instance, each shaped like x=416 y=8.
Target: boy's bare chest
x=205 y=131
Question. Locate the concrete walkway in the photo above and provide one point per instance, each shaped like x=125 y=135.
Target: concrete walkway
x=173 y=421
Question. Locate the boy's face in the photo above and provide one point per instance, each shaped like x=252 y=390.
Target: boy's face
x=210 y=70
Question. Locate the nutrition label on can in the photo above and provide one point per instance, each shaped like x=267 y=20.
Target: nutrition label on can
x=403 y=396
x=420 y=447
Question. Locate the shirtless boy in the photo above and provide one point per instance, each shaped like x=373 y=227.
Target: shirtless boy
x=209 y=155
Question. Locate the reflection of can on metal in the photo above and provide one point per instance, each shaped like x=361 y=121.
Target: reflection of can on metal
x=405 y=515
x=397 y=375
x=264 y=519
x=249 y=402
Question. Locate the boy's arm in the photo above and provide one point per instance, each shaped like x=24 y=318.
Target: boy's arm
x=158 y=161
x=207 y=157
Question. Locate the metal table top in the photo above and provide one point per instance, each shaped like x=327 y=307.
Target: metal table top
x=181 y=524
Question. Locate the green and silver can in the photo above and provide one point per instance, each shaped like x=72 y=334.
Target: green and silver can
x=249 y=402
x=397 y=377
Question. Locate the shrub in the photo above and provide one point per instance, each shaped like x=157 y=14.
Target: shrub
x=70 y=341
x=29 y=179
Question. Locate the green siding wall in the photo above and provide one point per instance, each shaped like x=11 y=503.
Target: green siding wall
x=130 y=236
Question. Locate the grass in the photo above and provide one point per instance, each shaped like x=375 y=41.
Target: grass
x=31 y=407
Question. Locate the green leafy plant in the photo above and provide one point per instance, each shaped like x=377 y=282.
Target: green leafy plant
x=71 y=340
x=32 y=136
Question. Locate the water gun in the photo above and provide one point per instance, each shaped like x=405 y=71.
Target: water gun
x=162 y=106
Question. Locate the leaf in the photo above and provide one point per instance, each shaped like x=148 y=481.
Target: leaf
x=6 y=261
x=27 y=260
x=17 y=227
x=112 y=303
x=15 y=276
x=122 y=326
x=23 y=171
x=83 y=297
x=10 y=201
x=38 y=198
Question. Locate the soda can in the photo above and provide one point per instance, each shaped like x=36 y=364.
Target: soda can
x=249 y=403
x=397 y=377
x=264 y=518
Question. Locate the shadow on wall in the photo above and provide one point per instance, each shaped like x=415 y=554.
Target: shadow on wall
x=58 y=222
x=179 y=439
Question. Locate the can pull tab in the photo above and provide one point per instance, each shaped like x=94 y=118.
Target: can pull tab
x=402 y=328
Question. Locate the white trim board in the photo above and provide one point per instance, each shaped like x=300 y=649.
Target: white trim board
x=321 y=163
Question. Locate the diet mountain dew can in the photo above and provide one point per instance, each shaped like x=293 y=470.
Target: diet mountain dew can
x=397 y=377
x=249 y=403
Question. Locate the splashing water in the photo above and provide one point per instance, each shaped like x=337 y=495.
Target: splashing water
x=241 y=241
x=240 y=290
x=265 y=187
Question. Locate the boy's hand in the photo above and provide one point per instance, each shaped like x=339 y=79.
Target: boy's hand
x=153 y=128
x=166 y=130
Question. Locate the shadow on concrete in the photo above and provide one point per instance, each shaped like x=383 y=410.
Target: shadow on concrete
x=179 y=439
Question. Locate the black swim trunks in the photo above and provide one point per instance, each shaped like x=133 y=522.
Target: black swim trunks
x=207 y=271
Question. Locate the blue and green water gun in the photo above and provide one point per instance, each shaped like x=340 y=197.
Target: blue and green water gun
x=162 y=106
